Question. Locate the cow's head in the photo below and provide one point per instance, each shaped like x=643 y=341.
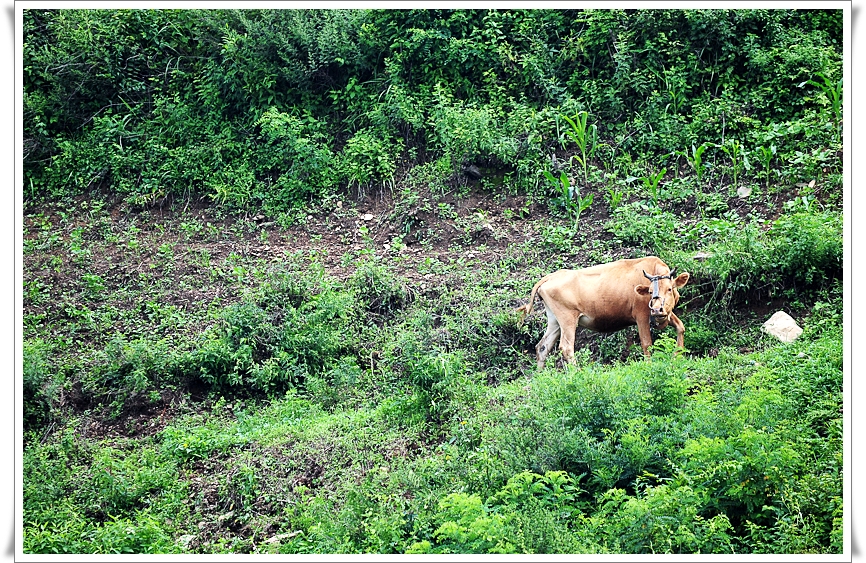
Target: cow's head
x=663 y=292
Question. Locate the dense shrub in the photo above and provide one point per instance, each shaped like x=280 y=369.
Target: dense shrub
x=664 y=519
x=799 y=250
x=270 y=346
x=369 y=156
x=808 y=247
x=644 y=226
x=294 y=159
x=284 y=106
x=381 y=291
x=41 y=383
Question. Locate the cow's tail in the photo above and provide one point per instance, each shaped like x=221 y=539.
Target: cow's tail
x=527 y=309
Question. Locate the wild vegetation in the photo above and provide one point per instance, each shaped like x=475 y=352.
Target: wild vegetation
x=272 y=257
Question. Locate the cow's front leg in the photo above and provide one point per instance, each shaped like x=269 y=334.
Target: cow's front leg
x=681 y=330
x=646 y=338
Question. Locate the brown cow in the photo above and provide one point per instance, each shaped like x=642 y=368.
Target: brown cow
x=607 y=298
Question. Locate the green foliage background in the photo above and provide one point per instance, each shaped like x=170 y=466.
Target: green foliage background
x=363 y=415
x=280 y=107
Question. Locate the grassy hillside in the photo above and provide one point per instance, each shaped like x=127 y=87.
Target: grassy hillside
x=271 y=262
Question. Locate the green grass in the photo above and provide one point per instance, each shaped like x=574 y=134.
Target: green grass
x=716 y=453
x=364 y=415
x=408 y=431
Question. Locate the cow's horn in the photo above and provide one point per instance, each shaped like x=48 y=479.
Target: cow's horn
x=671 y=275
x=646 y=275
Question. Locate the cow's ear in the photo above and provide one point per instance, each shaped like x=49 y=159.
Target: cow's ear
x=642 y=289
x=682 y=279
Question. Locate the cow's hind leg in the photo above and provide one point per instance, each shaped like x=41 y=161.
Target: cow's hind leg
x=568 y=326
x=542 y=349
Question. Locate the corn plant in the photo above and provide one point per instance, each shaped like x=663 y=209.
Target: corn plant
x=676 y=92
x=674 y=85
x=560 y=134
x=738 y=157
x=569 y=197
x=586 y=138
x=678 y=98
x=615 y=196
x=765 y=156
x=833 y=91
x=696 y=160
x=651 y=182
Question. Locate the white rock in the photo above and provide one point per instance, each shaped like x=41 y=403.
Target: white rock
x=367 y=217
x=744 y=192
x=782 y=326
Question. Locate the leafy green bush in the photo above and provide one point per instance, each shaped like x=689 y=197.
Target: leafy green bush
x=382 y=292
x=801 y=250
x=555 y=488
x=510 y=520
x=195 y=443
x=41 y=383
x=467 y=526
x=645 y=227
x=128 y=370
x=117 y=484
x=370 y=155
x=664 y=519
x=270 y=346
x=613 y=424
x=808 y=246
x=701 y=335
x=294 y=157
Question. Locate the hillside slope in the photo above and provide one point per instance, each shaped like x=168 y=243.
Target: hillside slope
x=271 y=261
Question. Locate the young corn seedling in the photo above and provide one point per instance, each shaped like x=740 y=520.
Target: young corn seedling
x=833 y=91
x=569 y=197
x=586 y=139
x=651 y=183
x=765 y=156
x=738 y=157
x=696 y=160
